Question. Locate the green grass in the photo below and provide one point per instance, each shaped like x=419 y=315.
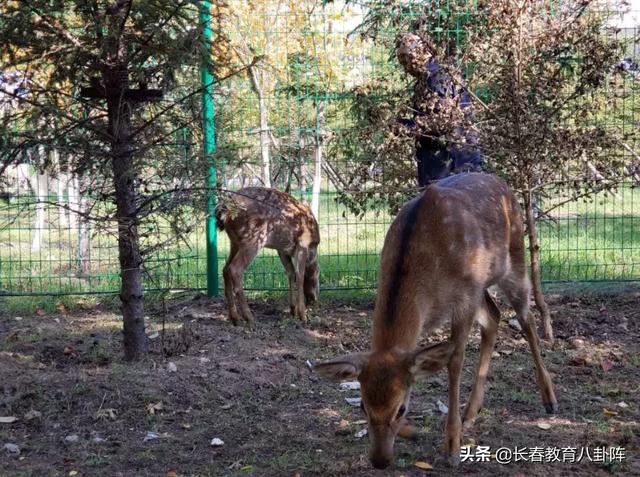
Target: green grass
x=594 y=241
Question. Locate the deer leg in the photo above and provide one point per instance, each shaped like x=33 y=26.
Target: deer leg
x=489 y=319
x=517 y=292
x=453 y=432
x=291 y=275
x=301 y=255
x=244 y=257
x=229 y=285
x=240 y=257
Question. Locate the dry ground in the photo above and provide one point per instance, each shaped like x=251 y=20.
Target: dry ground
x=252 y=389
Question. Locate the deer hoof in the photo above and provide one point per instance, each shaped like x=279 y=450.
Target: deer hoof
x=551 y=408
x=454 y=460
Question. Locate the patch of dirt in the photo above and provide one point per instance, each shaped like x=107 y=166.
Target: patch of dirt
x=81 y=409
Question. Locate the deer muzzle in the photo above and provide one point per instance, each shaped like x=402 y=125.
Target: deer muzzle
x=382 y=440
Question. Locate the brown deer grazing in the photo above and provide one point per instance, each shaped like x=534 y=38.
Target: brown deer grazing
x=441 y=253
x=257 y=217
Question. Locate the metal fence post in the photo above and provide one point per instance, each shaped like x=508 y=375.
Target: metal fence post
x=209 y=147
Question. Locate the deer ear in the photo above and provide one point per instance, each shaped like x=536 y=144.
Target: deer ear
x=345 y=367
x=431 y=359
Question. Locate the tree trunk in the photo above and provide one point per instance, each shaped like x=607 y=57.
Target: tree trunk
x=317 y=157
x=79 y=202
x=61 y=183
x=41 y=190
x=534 y=255
x=136 y=343
x=264 y=128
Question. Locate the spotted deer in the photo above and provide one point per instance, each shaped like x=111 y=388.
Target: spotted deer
x=462 y=235
x=257 y=217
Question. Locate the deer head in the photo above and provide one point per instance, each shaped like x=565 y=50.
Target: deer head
x=386 y=379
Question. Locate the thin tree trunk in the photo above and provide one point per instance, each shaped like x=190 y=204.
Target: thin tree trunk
x=63 y=213
x=136 y=343
x=73 y=198
x=534 y=255
x=264 y=128
x=317 y=157
x=80 y=203
x=41 y=190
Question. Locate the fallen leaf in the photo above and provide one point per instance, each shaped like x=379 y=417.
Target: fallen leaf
x=420 y=464
x=581 y=360
x=609 y=412
x=469 y=442
x=622 y=404
x=40 y=312
x=153 y=407
x=343 y=423
x=68 y=350
x=172 y=473
x=72 y=473
x=172 y=367
x=217 y=442
x=246 y=468
x=544 y=425
x=107 y=413
x=153 y=336
x=606 y=365
x=72 y=438
x=361 y=433
x=186 y=425
x=61 y=308
x=8 y=419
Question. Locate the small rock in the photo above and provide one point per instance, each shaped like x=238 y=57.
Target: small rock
x=622 y=405
x=495 y=354
x=150 y=436
x=72 y=438
x=355 y=402
x=350 y=386
x=11 y=449
x=361 y=433
x=515 y=324
x=31 y=415
x=98 y=439
x=442 y=407
x=18 y=318
x=217 y=442
x=172 y=367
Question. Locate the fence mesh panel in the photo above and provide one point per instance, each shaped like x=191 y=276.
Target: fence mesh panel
x=312 y=69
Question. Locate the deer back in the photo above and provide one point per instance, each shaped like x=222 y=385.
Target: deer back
x=445 y=247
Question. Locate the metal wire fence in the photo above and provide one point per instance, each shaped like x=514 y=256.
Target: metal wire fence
x=306 y=92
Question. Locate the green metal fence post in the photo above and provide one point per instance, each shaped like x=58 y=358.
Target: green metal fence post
x=209 y=147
